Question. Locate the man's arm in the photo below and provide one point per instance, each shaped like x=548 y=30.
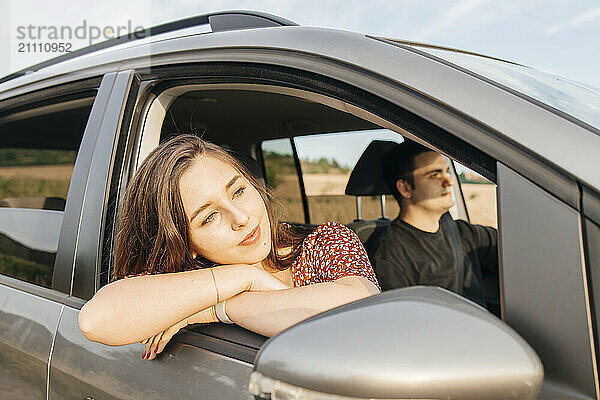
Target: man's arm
x=483 y=240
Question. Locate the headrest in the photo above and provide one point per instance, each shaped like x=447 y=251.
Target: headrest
x=367 y=177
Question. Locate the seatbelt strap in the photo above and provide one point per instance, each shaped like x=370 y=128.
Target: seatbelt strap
x=457 y=249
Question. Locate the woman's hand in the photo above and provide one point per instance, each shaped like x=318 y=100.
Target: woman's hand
x=156 y=344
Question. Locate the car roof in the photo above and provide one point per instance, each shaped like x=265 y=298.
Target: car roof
x=568 y=145
x=214 y=22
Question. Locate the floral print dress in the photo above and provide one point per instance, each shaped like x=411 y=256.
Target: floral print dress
x=330 y=252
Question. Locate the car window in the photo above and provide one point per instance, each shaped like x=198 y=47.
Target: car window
x=480 y=196
x=326 y=162
x=292 y=133
x=38 y=148
x=282 y=177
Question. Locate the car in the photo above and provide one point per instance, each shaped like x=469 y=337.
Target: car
x=291 y=102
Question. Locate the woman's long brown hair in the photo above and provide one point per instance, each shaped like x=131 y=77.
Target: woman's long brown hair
x=153 y=233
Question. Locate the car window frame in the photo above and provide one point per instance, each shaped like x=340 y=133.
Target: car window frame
x=444 y=130
x=156 y=80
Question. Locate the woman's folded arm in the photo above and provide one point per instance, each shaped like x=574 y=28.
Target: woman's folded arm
x=132 y=309
x=270 y=312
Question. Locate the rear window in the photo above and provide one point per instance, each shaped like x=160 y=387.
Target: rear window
x=38 y=148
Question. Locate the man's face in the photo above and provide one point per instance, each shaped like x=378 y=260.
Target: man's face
x=432 y=182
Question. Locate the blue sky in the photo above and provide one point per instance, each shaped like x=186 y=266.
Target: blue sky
x=559 y=37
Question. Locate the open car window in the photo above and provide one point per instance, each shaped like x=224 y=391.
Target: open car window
x=302 y=145
x=38 y=148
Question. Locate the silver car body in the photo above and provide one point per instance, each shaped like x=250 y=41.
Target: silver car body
x=547 y=172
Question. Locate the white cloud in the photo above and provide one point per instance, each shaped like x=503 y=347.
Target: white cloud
x=449 y=18
x=552 y=29
x=586 y=17
x=578 y=20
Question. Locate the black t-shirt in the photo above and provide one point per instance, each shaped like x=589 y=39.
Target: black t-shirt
x=407 y=256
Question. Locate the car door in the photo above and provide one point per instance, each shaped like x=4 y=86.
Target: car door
x=40 y=147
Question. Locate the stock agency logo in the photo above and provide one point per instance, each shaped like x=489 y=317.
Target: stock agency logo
x=53 y=38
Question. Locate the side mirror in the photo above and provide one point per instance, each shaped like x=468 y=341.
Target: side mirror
x=415 y=343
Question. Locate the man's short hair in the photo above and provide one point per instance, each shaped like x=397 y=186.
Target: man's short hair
x=399 y=163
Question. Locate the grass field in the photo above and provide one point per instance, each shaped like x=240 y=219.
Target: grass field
x=35 y=181
x=481 y=203
x=57 y=172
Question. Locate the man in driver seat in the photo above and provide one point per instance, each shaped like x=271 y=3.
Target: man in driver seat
x=424 y=245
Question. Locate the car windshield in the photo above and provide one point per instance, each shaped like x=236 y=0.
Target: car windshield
x=575 y=99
